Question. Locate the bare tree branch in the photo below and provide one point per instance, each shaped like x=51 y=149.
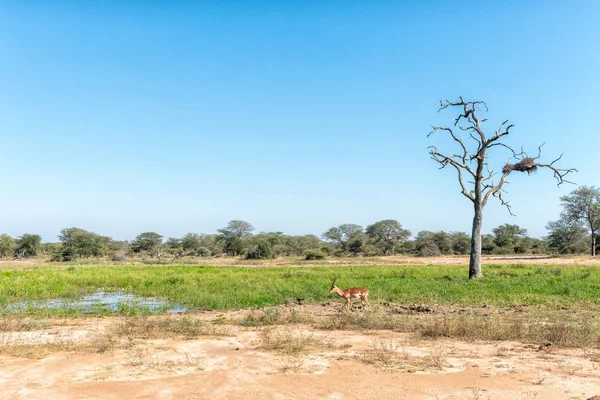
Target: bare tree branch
x=444 y=161
x=559 y=173
x=463 y=157
x=500 y=132
x=496 y=189
x=476 y=164
x=532 y=165
x=469 y=121
x=504 y=203
x=503 y=145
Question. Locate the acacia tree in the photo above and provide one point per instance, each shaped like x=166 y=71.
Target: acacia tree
x=583 y=205
x=7 y=245
x=148 y=242
x=234 y=236
x=78 y=242
x=388 y=234
x=567 y=236
x=28 y=245
x=472 y=166
x=343 y=235
x=508 y=236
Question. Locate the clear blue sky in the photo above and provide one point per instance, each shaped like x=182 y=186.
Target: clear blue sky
x=123 y=116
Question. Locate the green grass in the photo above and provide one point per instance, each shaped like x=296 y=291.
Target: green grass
x=225 y=288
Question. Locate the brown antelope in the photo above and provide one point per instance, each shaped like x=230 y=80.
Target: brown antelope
x=351 y=293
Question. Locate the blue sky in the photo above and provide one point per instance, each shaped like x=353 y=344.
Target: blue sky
x=123 y=117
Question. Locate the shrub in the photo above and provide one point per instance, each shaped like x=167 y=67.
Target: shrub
x=429 y=250
x=504 y=250
x=119 y=257
x=65 y=254
x=261 y=249
x=314 y=254
x=203 y=252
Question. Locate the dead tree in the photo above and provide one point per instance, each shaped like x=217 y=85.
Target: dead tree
x=472 y=165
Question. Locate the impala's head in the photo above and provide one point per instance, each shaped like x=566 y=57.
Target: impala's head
x=333 y=287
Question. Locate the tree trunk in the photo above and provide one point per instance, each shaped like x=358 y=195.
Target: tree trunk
x=475 y=258
x=593 y=243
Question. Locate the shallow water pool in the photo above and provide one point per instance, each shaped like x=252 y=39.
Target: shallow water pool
x=103 y=300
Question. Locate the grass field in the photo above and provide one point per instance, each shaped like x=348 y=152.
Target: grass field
x=207 y=288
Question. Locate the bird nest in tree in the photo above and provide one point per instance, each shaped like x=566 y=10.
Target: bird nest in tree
x=525 y=165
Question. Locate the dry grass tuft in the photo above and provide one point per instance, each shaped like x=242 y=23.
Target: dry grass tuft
x=35 y=346
x=540 y=378
x=568 y=367
x=366 y=321
x=436 y=359
x=10 y=323
x=553 y=329
x=40 y=344
x=290 y=364
x=151 y=328
x=387 y=354
x=477 y=327
x=274 y=316
x=102 y=343
x=143 y=359
x=289 y=342
x=392 y=355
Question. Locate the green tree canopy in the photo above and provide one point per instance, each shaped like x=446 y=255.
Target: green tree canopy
x=429 y=243
x=508 y=236
x=78 y=242
x=191 y=244
x=28 y=245
x=150 y=243
x=567 y=236
x=234 y=236
x=460 y=242
x=583 y=204
x=342 y=235
x=261 y=247
x=7 y=245
x=174 y=246
x=388 y=234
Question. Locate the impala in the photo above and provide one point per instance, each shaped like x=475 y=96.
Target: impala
x=351 y=293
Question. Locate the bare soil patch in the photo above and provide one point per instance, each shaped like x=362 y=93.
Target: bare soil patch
x=284 y=353
x=329 y=262
x=405 y=260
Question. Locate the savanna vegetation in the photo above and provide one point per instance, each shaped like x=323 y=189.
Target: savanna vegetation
x=208 y=288
x=574 y=232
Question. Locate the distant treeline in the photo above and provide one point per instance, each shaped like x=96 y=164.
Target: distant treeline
x=386 y=237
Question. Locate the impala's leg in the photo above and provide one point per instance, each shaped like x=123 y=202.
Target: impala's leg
x=367 y=300
x=348 y=303
x=345 y=306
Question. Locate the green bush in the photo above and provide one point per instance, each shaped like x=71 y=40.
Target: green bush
x=203 y=252
x=314 y=254
x=429 y=250
x=63 y=255
x=119 y=257
x=260 y=249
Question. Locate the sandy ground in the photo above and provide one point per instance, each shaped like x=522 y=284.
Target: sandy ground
x=404 y=260
x=329 y=262
x=341 y=365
